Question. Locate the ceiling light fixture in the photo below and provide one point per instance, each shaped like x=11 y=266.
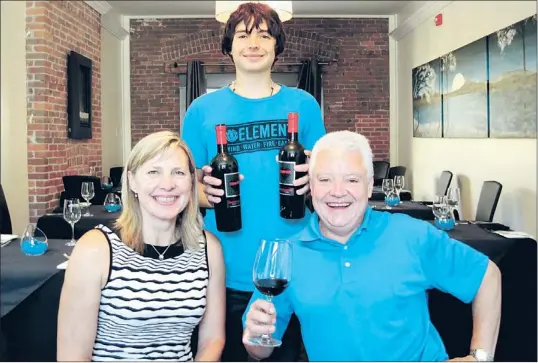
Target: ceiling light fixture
x=223 y=9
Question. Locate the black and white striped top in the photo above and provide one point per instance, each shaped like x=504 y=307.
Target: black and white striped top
x=150 y=307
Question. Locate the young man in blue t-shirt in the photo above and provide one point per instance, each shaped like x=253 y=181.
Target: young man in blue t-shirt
x=255 y=110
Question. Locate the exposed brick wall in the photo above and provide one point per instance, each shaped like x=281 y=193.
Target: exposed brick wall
x=356 y=86
x=54 y=28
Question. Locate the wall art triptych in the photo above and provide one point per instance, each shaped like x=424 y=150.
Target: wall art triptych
x=486 y=89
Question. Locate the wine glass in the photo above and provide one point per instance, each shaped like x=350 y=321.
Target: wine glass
x=453 y=199
x=399 y=185
x=87 y=191
x=271 y=275
x=387 y=187
x=72 y=214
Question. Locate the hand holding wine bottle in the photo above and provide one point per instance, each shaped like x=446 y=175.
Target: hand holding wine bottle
x=303 y=181
x=293 y=173
x=225 y=169
x=212 y=184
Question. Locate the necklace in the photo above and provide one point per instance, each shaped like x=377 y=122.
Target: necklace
x=272 y=87
x=161 y=255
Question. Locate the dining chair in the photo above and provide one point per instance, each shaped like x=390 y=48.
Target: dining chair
x=487 y=202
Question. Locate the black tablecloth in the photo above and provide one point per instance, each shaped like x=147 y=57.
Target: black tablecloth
x=413 y=209
x=21 y=275
x=516 y=258
x=30 y=290
x=55 y=226
x=32 y=323
x=378 y=195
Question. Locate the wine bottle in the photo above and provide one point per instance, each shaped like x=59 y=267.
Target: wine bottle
x=226 y=168
x=292 y=205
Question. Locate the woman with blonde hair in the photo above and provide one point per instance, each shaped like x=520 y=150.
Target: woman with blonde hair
x=137 y=291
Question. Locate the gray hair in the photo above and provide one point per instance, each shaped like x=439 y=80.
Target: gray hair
x=344 y=141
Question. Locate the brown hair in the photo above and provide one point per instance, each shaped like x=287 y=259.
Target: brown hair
x=189 y=222
x=257 y=13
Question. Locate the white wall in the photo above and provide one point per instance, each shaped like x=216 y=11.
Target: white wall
x=111 y=98
x=511 y=162
x=13 y=149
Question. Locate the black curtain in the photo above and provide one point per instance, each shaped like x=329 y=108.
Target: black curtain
x=196 y=81
x=310 y=78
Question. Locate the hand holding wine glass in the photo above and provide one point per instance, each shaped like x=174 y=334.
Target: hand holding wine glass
x=272 y=274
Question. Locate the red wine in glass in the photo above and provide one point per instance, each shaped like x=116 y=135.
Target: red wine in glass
x=271 y=275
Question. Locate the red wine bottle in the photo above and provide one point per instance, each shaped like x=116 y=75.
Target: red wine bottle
x=292 y=205
x=226 y=168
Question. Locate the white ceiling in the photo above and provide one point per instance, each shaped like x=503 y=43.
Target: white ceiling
x=300 y=8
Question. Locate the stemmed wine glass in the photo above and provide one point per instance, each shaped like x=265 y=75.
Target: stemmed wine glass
x=453 y=199
x=388 y=187
x=72 y=214
x=87 y=191
x=399 y=185
x=271 y=274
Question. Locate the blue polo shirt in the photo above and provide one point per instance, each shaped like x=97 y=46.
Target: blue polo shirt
x=366 y=300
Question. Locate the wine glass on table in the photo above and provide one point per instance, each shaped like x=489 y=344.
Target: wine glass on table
x=87 y=191
x=388 y=187
x=271 y=274
x=398 y=185
x=72 y=214
x=453 y=200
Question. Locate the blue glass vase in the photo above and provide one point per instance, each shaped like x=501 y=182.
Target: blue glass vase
x=34 y=242
x=112 y=203
x=445 y=223
x=392 y=200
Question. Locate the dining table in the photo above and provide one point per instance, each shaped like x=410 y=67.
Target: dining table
x=31 y=288
x=30 y=296
x=413 y=209
x=55 y=226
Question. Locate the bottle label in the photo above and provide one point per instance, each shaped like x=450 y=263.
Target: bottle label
x=231 y=185
x=287 y=177
x=287 y=172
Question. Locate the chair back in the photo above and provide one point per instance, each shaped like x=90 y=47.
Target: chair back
x=115 y=175
x=397 y=170
x=444 y=182
x=5 y=218
x=381 y=171
x=487 y=202
x=73 y=185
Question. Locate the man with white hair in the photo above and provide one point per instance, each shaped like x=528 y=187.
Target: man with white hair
x=360 y=277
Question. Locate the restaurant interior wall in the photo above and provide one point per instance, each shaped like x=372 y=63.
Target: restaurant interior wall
x=512 y=162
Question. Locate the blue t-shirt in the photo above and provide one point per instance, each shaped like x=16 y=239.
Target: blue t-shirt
x=367 y=300
x=256 y=130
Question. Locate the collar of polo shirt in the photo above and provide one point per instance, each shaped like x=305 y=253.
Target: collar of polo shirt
x=313 y=233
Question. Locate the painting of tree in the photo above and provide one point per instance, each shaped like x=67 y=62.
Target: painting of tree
x=512 y=68
x=427 y=100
